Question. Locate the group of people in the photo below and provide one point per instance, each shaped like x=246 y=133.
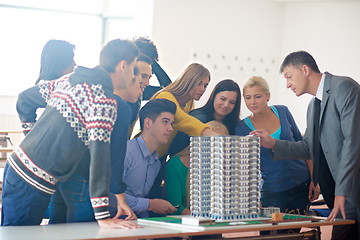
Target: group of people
x=77 y=163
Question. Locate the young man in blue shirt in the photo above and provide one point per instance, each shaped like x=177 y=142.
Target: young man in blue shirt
x=142 y=164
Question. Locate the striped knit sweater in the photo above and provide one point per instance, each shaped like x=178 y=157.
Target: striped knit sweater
x=80 y=115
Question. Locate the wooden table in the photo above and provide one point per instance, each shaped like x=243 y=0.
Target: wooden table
x=6 y=149
x=92 y=231
x=5 y=132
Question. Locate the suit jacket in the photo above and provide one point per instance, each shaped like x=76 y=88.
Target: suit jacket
x=339 y=136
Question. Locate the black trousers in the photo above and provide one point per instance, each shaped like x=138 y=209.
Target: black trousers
x=348 y=232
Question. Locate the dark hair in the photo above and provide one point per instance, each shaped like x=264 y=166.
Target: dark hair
x=116 y=51
x=299 y=58
x=154 y=108
x=147 y=47
x=231 y=119
x=145 y=58
x=56 y=57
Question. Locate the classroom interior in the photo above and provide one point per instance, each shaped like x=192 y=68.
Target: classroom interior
x=234 y=39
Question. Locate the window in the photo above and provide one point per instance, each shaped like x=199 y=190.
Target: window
x=28 y=25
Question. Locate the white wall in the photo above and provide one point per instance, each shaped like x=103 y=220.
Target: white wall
x=330 y=32
x=260 y=33
x=20 y=50
x=8 y=105
x=218 y=33
x=9 y=119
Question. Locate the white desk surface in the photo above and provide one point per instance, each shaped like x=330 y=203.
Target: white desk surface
x=91 y=230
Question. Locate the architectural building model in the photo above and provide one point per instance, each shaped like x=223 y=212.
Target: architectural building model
x=224 y=177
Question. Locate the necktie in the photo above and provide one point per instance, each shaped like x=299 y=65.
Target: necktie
x=317 y=104
x=321 y=171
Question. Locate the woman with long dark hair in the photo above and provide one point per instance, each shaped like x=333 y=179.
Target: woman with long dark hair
x=57 y=59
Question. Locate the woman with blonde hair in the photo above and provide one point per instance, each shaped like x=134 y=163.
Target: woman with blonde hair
x=284 y=183
x=187 y=88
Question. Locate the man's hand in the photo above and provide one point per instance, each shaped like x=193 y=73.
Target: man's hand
x=314 y=191
x=339 y=205
x=161 y=206
x=265 y=139
x=117 y=223
x=123 y=208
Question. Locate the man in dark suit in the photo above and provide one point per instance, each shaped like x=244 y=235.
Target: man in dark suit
x=332 y=138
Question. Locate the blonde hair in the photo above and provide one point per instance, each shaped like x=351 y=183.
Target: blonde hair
x=218 y=127
x=259 y=82
x=188 y=80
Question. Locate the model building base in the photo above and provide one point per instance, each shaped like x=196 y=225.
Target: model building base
x=176 y=222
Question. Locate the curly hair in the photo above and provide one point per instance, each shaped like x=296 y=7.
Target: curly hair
x=147 y=47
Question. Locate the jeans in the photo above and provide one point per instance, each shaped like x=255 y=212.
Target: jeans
x=22 y=204
x=71 y=202
x=292 y=201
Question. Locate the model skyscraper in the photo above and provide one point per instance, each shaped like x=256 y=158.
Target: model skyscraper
x=224 y=177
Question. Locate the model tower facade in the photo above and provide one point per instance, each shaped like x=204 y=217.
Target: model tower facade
x=224 y=177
